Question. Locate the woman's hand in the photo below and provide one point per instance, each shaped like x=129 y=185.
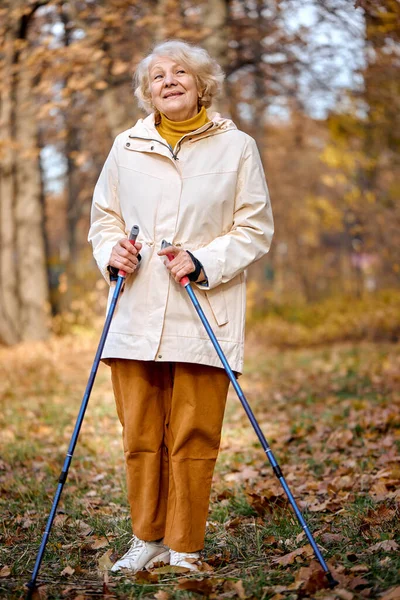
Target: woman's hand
x=181 y=264
x=124 y=255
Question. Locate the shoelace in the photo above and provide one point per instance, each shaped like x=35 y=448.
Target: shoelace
x=136 y=545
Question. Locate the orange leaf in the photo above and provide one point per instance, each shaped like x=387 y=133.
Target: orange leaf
x=146 y=577
x=201 y=586
x=99 y=543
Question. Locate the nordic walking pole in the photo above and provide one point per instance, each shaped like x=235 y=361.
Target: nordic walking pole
x=185 y=282
x=64 y=473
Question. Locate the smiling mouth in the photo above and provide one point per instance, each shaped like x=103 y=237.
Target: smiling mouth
x=175 y=95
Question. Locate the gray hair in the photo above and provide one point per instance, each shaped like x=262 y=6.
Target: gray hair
x=209 y=75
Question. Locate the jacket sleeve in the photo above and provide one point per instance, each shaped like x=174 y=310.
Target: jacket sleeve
x=107 y=225
x=252 y=228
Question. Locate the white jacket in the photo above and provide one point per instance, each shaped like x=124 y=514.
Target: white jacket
x=209 y=196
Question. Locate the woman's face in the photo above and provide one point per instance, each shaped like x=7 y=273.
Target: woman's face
x=173 y=89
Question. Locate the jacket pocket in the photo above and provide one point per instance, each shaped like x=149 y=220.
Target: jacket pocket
x=217 y=302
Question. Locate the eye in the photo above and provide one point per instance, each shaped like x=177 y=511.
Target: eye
x=181 y=71
x=157 y=76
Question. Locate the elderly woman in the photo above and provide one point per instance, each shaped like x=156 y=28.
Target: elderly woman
x=193 y=179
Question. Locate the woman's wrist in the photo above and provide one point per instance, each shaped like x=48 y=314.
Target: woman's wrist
x=198 y=269
x=202 y=277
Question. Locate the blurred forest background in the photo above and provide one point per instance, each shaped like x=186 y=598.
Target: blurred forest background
x=314 y=82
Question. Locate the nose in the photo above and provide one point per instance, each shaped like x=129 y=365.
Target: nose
x=169 y=79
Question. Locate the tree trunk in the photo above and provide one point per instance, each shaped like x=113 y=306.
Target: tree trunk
x=215 y=21
x=9 y=304
x=24 y=287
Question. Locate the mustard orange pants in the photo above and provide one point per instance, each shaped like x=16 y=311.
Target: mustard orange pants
x=171 y=414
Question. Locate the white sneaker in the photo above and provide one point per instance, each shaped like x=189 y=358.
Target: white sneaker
x=142 y=555
x=179 y=559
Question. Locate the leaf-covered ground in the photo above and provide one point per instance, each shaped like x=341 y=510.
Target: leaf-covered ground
x=331 y=416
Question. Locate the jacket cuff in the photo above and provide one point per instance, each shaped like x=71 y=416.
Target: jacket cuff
x=113 y=273
x=102 y=258
x=212 y=267
x=198 y=267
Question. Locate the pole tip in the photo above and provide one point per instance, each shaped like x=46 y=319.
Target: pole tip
x=331 y=581
x=30 y=588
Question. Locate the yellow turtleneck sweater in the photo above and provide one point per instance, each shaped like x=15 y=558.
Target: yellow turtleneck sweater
x=172 y=131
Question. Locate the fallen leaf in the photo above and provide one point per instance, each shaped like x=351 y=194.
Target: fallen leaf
x=99 y=543
x=81 y=526
x=270 y=540
x=238 y=586
x=340 y=438
x=277 y=589
x=360 y=569
x=59 y=520
x=146 y=577
x=106 y=591
x=216 y=560
x=234 y=589
x=41 y=593
x=344 y=594
x=67 y=571
x=5 y=571
x=311 y=578
x=104 y=563
x=332 y=537
x=170 y=569
x=201 y=586
x=27 y=523
x=233 y=523
x=392 y=594
x=288 y=559
x=205 y=567
x=161 y=595
x=357 y=582
x=225 y=494
x=386 y=545
x=380 y=515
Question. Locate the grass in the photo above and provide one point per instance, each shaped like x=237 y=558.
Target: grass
x=331 y=416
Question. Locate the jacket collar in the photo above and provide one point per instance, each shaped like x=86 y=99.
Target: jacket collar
x=146 y=127
x=144 y=135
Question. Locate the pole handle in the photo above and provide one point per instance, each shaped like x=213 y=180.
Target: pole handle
x=185 y=280
x=132 y=238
